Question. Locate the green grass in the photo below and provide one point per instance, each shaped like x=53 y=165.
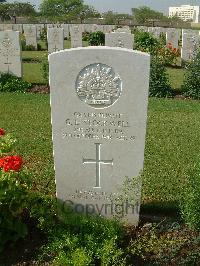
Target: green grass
x=172 y=141
x=32 y=63
x=38 y=55
x=176 y=77
x=33 y=73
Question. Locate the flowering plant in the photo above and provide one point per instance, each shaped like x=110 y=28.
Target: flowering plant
x=2 y=132
x=15 y=187
x=168 y=55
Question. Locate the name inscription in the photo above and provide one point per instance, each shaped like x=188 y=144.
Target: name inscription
x=98 y=126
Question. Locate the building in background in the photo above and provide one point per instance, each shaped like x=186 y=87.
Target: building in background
x=186 y=13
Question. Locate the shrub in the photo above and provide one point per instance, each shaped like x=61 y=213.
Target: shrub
x=159 y=85
x=14 y=193
x=191 y=84
x=30 y=48
x=43 y=35
x=189 y=204
x=85 y=36
x=145 y=42
x=45 y=70
x=39 y=47
x=96 y=38
x=11 y=83
x=168 y=54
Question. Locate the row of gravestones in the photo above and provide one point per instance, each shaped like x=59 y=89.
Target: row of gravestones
x=32 y=32
x=190 y=39
x=123 y=38
x=55 y=37
x=10 y=51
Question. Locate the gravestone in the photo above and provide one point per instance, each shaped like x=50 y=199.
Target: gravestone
x=40 y=28
x=18 y=27
x=30 y=32
x=156 y=31
x=173 y=36
x=66 y=30
x=7 y=27
x=123 y=29
x=76 y=36
x=108 y=28
x=190 y=44
x=119 y=39
x=99 y=101
x=10 y=53
x=55 y=38
x=142 y=28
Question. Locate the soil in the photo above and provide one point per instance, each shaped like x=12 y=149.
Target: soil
x=42 y=89
x=25 y=250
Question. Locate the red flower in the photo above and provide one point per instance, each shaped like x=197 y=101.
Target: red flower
x=169 y=45
x=2 y=132
x=9 y=163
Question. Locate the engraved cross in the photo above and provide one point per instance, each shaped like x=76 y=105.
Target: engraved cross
x=8 y=64
x=55 y=48
x=98 y=163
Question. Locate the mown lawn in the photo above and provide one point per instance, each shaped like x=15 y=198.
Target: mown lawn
x=176 y=77
x=172 y=142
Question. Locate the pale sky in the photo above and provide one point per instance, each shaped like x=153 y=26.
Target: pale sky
x=124 y=6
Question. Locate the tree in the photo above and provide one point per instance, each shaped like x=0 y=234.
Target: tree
x=21 y=9
x=88 y=12
x=109 y=17
x=16 y=9
x=114 y=18
x=61 y=9
x=143 y=14
x=2 y=1
x=4 y=8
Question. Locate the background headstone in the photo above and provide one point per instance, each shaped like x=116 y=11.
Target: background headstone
x=190 y=44
x=10 y=53
x=99 y=101
x=55 y=37
x=173 y=36
x=18 y=27
x=142 y=28
x=76 y=36
x=30 y=32
x=40 y=28
x=123 y=29
x=156 y=31
x=66 y=30
x=119 y=39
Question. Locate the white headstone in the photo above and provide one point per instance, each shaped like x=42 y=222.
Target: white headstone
x=55 y=37
x=76 y=36
x=156 y=31
x=18 y=27
x=10 y=53
x=40 y=28
x=108 y=28
x=173 y=37
x=7 y=27
x=124 y=29
x=99 y=101
x=119 y=39
x=142 y=28
x=66 y=30
x=190 y=44
x=30 y=32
